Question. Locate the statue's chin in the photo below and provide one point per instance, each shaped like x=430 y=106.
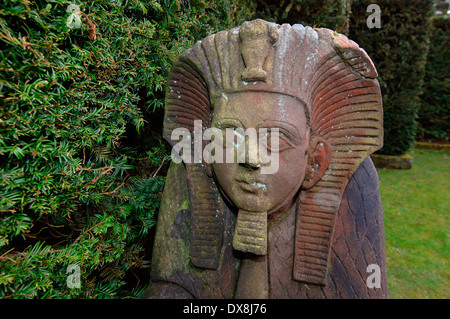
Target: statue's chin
x=269 y=209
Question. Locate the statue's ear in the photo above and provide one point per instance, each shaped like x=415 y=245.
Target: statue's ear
x=319 y=157
x=208 y=169
x=207 y=162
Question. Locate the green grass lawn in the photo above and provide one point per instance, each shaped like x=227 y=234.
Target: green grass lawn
x=416 y=217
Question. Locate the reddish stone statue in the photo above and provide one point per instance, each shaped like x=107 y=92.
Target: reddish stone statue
x=303 y=222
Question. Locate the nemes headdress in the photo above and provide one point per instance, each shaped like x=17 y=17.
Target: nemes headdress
x=330 y=74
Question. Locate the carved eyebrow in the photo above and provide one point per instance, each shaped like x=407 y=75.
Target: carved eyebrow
x=284 y=127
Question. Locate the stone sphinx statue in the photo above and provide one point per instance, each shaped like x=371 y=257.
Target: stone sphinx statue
x=311 y=224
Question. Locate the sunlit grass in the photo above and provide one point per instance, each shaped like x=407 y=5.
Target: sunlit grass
x=416 y=216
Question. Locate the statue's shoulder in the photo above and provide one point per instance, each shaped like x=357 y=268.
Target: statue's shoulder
x=171 y=246
x=173 y=273
x=358 y=244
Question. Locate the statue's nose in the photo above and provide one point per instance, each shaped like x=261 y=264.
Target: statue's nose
x=252 y=159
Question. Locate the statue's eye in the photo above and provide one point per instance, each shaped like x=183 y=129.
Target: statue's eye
x=276 y=140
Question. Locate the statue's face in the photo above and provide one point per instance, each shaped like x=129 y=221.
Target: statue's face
x=246 y=184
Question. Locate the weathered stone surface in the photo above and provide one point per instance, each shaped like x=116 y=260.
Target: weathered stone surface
x=304 y=224
x=404 y=161
x=433 y=146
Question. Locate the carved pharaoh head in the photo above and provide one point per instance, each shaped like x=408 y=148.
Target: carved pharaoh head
x=318 y=91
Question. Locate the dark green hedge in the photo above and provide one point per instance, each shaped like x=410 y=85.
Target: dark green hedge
x=434 y=111
x=332 y=14
x=399 y=50
x=82 y=163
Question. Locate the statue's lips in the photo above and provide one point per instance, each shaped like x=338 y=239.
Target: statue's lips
x=252 y=186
